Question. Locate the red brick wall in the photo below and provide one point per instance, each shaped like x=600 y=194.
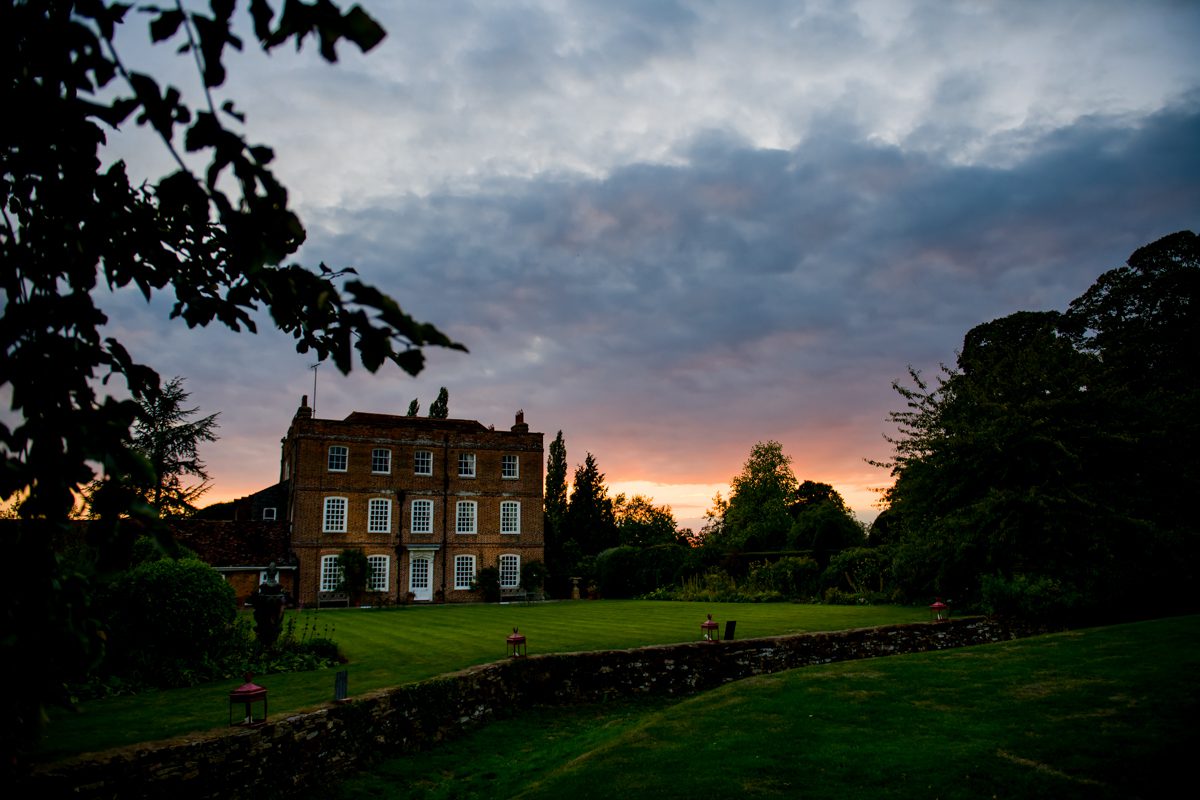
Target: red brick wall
x=306 y=451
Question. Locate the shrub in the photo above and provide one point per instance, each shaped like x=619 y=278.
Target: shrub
x=616 y=571
x=859 y=570
x=356 y=571
x=171 y=623
x=715 y=586
x=791 y=576
x=533 y=575
x=1037 y=597
x=487 y=581
x=836 y=597
x=147 y=549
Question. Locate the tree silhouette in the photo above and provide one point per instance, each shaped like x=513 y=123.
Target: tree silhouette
x=216 y=238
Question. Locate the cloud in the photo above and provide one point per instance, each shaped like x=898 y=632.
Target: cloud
x=672 y=230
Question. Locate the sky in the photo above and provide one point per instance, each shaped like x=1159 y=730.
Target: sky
x=674 y=229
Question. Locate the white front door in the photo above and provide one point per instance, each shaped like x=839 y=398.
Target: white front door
x=420 y=575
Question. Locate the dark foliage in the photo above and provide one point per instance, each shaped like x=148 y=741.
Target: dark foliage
x=1044 y=470
x=75 y=227
x=170 y=622
x=440 y=407
x=487 y=583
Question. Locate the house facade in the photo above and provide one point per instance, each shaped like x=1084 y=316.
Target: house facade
x=430 y=502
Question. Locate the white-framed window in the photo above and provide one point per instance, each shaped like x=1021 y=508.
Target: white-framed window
x=381 y=461
x=331 y=573
x=466 y=465
x=269 y=513
x=510 y=516
x=339 y=457
x=423 y=462
x=334 y=520
x=464 y=572
x=379 y=515
x=510 y=571
x=381 y=570
x=464 y=516
x=422 y=516
x=510 y=467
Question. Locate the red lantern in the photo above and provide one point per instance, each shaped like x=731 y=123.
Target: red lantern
x=939 y=611
x=516 y=645
x=248 y=695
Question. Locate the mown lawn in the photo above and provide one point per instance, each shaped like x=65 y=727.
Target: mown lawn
x=392 y=647
x=1098 y=713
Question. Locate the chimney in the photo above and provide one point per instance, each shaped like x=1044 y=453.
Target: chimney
x=304 y=412
x=520 y=426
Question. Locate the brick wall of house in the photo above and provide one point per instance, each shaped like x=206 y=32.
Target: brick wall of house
x=306 y=468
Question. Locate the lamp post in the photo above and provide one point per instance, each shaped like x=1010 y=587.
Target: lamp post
x=248 y=695
x=516 y=645
x=708 y=630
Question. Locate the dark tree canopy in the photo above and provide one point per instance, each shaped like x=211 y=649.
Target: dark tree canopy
x=757 y=517
x=1051 y=459
x=769 y=510
x=168 y=437
x=75 y=227
x=591 y=522
x=440 y=408
x=560 y=559
x=556 y=486
x=640 y=523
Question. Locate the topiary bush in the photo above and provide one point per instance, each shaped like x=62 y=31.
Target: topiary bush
x=171 y=623
x=487 y=583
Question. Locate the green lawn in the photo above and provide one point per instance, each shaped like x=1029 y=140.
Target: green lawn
x=1099 y=713
x=388 y=648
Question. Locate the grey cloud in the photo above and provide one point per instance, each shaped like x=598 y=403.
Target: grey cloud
x=770 y=267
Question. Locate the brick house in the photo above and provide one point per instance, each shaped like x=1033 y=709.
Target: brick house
x=429 y=501
x=241 y=550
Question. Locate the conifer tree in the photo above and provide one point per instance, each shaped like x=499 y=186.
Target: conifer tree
x=440 y=408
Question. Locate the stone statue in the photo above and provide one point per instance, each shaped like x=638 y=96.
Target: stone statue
x=268 y=604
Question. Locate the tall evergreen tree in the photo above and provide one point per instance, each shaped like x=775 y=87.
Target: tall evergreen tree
x=560 y=557
x=590 y=518
x=167 y=436
x=165 y=441
x=414 y=408
x=440 y=408
x=556 y=487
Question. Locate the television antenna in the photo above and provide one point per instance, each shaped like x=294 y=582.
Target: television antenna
x=314 y=368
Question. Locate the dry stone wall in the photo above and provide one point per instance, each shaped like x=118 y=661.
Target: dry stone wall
x=312 y=749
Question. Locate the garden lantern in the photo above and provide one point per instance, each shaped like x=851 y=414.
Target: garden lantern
x=516 y=645
x=248 y=695
x=939 y=611
x=708 y=630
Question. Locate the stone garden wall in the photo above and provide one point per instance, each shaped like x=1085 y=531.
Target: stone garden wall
x=308 y=750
